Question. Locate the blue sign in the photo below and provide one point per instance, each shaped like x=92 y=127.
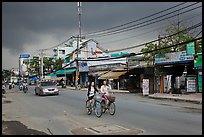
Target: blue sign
x=24 y=55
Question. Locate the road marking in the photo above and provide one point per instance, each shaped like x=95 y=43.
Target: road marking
x=106 y=129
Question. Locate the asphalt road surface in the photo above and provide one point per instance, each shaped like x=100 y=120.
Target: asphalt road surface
x=63 y=113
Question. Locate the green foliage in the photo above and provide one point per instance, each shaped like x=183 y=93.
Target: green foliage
x=173 y=40
x=6 y=73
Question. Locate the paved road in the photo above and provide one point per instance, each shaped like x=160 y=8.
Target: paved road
x=63 y=113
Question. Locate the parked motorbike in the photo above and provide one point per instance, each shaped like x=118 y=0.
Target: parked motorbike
x=3 y=89
x=13 y=85
x=10 y=86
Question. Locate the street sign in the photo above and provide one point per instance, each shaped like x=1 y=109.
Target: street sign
x=24 y=55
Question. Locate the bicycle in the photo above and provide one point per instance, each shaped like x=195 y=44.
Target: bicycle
x=110 y=105
x=94 y=106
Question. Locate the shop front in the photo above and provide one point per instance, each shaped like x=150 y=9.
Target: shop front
x=175 y=73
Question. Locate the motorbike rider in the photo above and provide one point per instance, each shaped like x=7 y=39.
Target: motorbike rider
x=105 y=88
x=21 y=85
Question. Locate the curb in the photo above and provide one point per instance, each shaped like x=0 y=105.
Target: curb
x=178 y=99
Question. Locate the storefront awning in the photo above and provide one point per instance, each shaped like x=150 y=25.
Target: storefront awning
x=99 y=73
x=67 y=71
x=112 y=75
x=58 y=78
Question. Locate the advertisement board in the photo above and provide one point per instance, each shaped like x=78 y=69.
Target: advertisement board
x=145 y=86
x=191 y=84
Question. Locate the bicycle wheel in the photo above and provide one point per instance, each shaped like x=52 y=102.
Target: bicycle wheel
x=88 y=108
x=112 y=108
x=103 y=106
x=98 y=109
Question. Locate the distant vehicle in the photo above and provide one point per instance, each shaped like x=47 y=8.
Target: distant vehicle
x=14 y=79
x=46 y=88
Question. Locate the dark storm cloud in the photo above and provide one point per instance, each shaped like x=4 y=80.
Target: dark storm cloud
x=21 y=20
x=32 y=23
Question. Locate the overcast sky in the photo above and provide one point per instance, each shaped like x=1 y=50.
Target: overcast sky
x=29 y=26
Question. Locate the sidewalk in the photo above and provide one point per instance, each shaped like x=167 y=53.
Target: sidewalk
x=191 y=97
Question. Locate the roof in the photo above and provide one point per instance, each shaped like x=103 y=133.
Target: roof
x=112 y=75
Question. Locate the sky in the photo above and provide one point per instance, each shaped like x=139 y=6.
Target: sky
x=30 y=26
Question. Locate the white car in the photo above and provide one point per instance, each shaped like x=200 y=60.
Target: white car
x=46 y=88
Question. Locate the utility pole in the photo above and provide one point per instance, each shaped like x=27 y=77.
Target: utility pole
x=41 y=54
x=78 y=39
x=19 y=71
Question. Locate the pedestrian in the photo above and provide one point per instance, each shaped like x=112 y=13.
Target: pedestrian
x=105 y=89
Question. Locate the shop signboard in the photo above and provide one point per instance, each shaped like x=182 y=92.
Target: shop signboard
x=198 y=60
x=145 y=86
x=83 y=67
x=174 y=57
x=200 y=81
x=191 y=84
x=190 y=48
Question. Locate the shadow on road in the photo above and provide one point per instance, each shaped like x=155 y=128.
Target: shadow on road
x=17 y=128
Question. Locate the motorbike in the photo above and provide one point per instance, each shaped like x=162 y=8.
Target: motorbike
x=10 y=86
x=25 y=88
x=20 y=87
x=63 y=85
x=13 y=85
x=3 y=89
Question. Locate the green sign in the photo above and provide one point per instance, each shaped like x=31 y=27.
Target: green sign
x=190 y=48
x=198 y=60
x=200 y=81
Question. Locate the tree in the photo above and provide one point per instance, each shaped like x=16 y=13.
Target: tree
x=173 y=40
x=6 y=73
x=35 y=66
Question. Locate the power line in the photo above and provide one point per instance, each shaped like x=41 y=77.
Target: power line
x=198 y=34
x=178 y=44
x=141 y=34
x=142 y=22
x=192 y=27
x=136 y=20
x=195 y=26
x=126 y=29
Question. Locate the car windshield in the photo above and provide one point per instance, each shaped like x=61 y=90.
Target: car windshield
x=47 y=84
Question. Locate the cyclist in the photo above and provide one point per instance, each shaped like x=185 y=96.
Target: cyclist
x=105 y=88
x=91 y=92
